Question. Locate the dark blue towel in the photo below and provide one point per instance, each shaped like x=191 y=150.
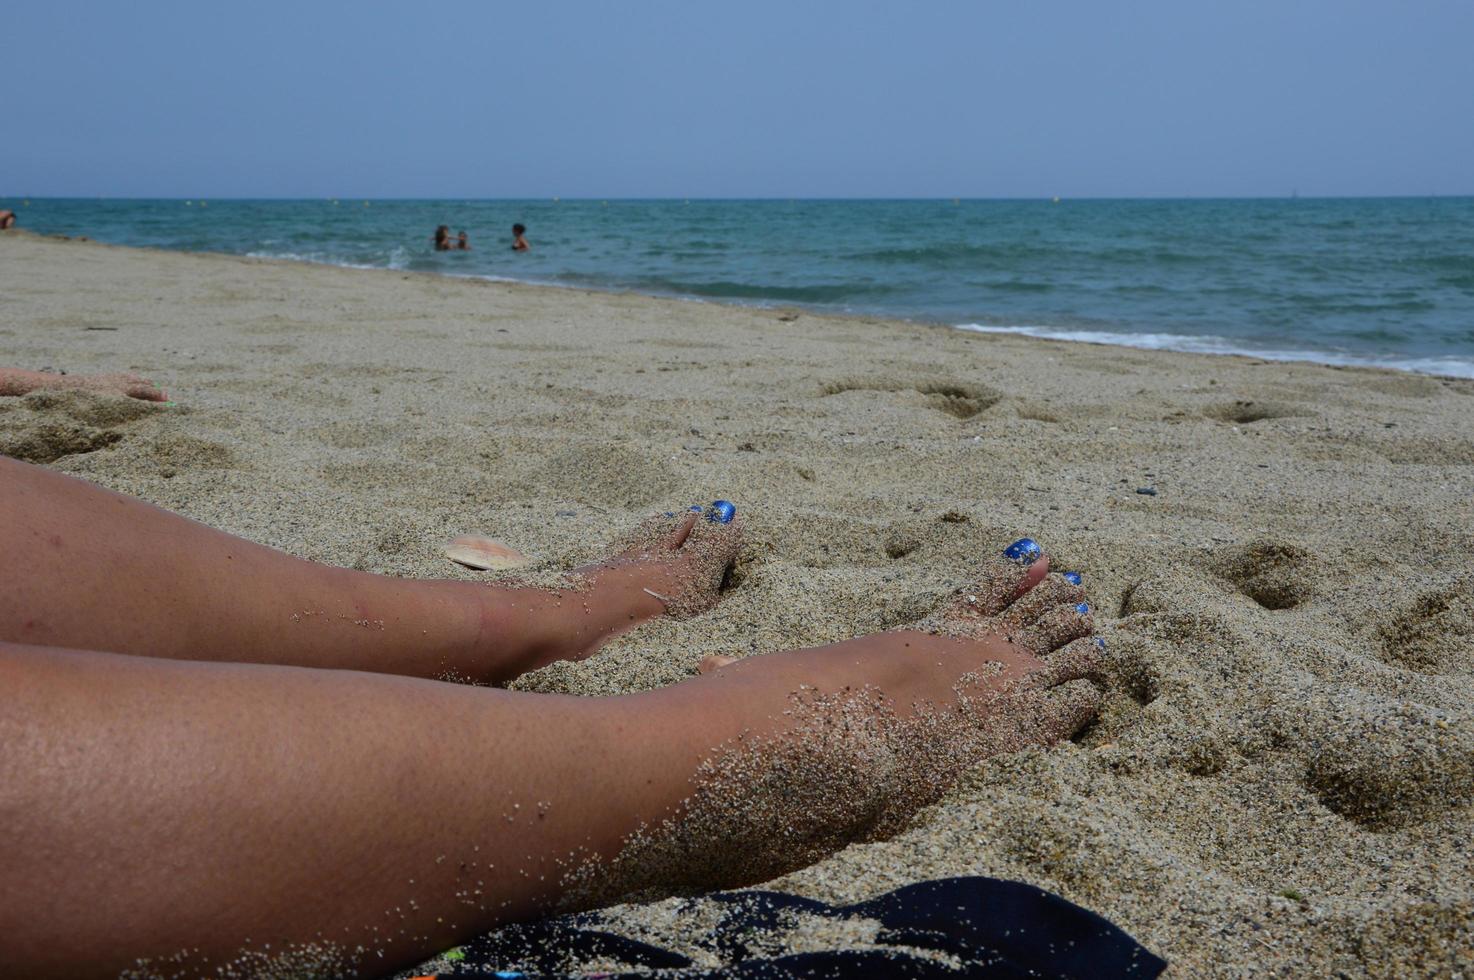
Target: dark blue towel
x=983 y=927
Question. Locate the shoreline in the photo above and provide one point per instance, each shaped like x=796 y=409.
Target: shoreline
x=1461 y=368
x=1282 y=779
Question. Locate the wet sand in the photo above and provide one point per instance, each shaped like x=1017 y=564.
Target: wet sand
x=1281 y=781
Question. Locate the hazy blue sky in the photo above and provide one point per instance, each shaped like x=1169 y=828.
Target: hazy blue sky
x=749 y=98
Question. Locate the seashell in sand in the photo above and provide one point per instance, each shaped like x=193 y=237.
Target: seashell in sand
x=474 y=551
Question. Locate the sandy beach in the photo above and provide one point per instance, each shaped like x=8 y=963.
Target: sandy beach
x=1282 y=781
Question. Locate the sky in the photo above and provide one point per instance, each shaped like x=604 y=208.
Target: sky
x=1077 y=98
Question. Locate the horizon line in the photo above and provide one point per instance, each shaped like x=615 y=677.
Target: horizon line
x=556 y=199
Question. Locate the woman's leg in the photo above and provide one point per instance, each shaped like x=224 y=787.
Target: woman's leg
x=84 y=568
x=194 y=814
x=15 y=381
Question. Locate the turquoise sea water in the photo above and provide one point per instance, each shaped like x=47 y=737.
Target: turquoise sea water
x=1356 y=281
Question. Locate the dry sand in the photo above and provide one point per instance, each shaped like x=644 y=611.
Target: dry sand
x=1281 y=782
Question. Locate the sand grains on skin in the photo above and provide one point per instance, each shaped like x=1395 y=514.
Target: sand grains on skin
x=846 y=761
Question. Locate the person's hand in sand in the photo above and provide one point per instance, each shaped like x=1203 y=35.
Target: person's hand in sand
x=211 y=758
x=14 y=381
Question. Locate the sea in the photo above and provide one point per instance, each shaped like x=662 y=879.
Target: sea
x=1367 y=281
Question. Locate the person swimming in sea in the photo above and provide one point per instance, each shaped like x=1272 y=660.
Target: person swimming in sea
x=443 y=241
x=7 y=220
x=519 y=241
x=463 y=243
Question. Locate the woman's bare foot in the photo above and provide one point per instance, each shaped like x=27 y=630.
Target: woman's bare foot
x=14 y=381
x=678 y=559
x=873 y=729
x=1013 y=623
x=669 y=565
x=1017 y=629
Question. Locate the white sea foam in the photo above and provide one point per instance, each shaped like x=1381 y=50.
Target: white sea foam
x=1453 y=367
x=317 y=258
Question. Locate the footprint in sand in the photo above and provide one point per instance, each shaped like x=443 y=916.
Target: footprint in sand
x=956 y=398
x=1385 y=764
x=1248 y=412
x=1277 y=576
x=1434 y=633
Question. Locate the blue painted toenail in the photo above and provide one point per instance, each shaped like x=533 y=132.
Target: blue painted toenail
x=1072 y=577
x=722 y=511
x=669 y=514
x=696 y=508
x=1083 y=608
x=1025 y=551
x=1100 y=642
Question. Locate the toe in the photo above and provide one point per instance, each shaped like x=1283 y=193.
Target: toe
x=1029 y=608
x=718 y=540
x=1057 y=627
x=721 y=512
x=713 y=662
x=656 y=533
x=1004 y=579
x=709 y=551
x=682 y=531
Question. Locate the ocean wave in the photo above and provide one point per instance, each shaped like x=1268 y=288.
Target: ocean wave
x=1353 y=308
x=1006 y=255
x=317 y=258
x=1450 y=262
x=957 y=252
x=1453 y=367
x=1144 y=289
x=1019 y=286
x=730 y=289
x=397 y=258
